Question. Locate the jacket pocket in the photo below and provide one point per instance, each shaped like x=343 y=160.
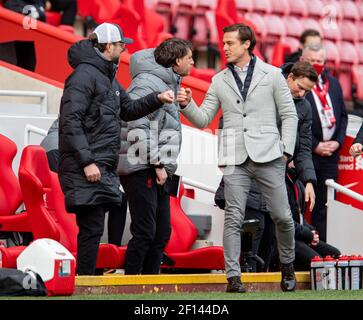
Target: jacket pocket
x=269 y=129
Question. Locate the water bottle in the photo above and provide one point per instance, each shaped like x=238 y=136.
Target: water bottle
x=317 y=274
x=343 y=273
x=356 y=266
x=330 y=273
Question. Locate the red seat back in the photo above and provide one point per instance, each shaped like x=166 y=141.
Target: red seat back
x=35 y=181
x=183 y=231
x=298 y=8
x=10 y=192
x=44 y=200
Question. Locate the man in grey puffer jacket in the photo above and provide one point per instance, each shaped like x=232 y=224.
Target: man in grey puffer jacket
x=149 y=149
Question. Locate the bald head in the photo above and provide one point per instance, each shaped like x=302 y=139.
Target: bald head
x=314 y=54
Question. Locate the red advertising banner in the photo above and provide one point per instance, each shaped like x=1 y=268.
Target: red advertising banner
x=350 y=174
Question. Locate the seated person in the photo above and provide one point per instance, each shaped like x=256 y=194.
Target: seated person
x=68 y=8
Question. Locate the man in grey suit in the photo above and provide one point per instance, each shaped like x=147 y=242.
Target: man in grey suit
x=252 y=94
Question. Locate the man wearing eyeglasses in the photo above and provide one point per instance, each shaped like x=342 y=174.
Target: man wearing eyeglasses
x=91 y=110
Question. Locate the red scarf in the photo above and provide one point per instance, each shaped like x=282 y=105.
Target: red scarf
x=322 y=92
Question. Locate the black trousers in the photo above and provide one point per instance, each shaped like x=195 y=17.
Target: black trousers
x=325 y=168
x=150 y=222
x=68 y=9
x=116 y=222
x=90 y=221
x=304 y=253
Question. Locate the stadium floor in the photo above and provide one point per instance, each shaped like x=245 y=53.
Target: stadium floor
x=180 y=283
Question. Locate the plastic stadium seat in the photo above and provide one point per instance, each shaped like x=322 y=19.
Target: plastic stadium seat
x=291 y=45
x=260 y=24
x=281 y=7
x=53 y=18
x=350 y=10
x=333 y=55
x=330 y=31
x=349 y=31
x=244 y=6
x=309 y=23
x=360 y=30
x=262 y=6
x=348 y=53
x=315 y=8
x=205 y=31
x=276 y=31
x=182 y=22
x=332 y=10
x=10 y=193
x=183 y=236
x=44 y=201
x=166 y=9
x=293 y=26
x=357 y=75
x=298 y=8
x=359 y=48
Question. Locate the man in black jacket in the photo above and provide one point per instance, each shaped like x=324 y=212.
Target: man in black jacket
x=89 y=134
x=329 y=124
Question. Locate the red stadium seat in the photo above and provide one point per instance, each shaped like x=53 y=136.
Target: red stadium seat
x=315 y=8
x=348 y=53
x=332 y=11
x=10 y=193
x=276 y=31
x=333 y=55
x=349 y=31
x=350 y=10
x=183 y=236
x=281 y=7
x=357 y=75
x=183 y=19
x=330 y=30
x=360 y=30
x=298 y=8
x=44 y=201
x=244 y=6
x=359 y=48
x=260 y=24
x=205 y=31
x=293 y=26
x=166 y=9
x=309 y=23
x=262 y=6
x=53 y=18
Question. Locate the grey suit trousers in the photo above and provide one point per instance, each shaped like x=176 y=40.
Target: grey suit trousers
x=270 y=178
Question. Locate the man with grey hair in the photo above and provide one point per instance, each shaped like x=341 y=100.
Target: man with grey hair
x=329 y=124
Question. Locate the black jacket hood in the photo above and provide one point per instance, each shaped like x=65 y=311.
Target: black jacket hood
x=83 y=52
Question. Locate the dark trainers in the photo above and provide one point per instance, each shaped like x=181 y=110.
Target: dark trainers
x=235 y=285
x=288 y=280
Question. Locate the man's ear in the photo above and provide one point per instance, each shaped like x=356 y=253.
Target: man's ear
x=247 y=43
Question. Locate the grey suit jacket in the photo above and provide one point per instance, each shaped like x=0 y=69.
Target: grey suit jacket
x=250 y=128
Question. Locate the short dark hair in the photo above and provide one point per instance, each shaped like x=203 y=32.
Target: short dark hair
x=171 y=49
x=94 y=39
x=308 y=33
x=244 y=33
x=304 y=69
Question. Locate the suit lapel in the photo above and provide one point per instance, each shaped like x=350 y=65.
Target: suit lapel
x=258 y=75
x=228 y=78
